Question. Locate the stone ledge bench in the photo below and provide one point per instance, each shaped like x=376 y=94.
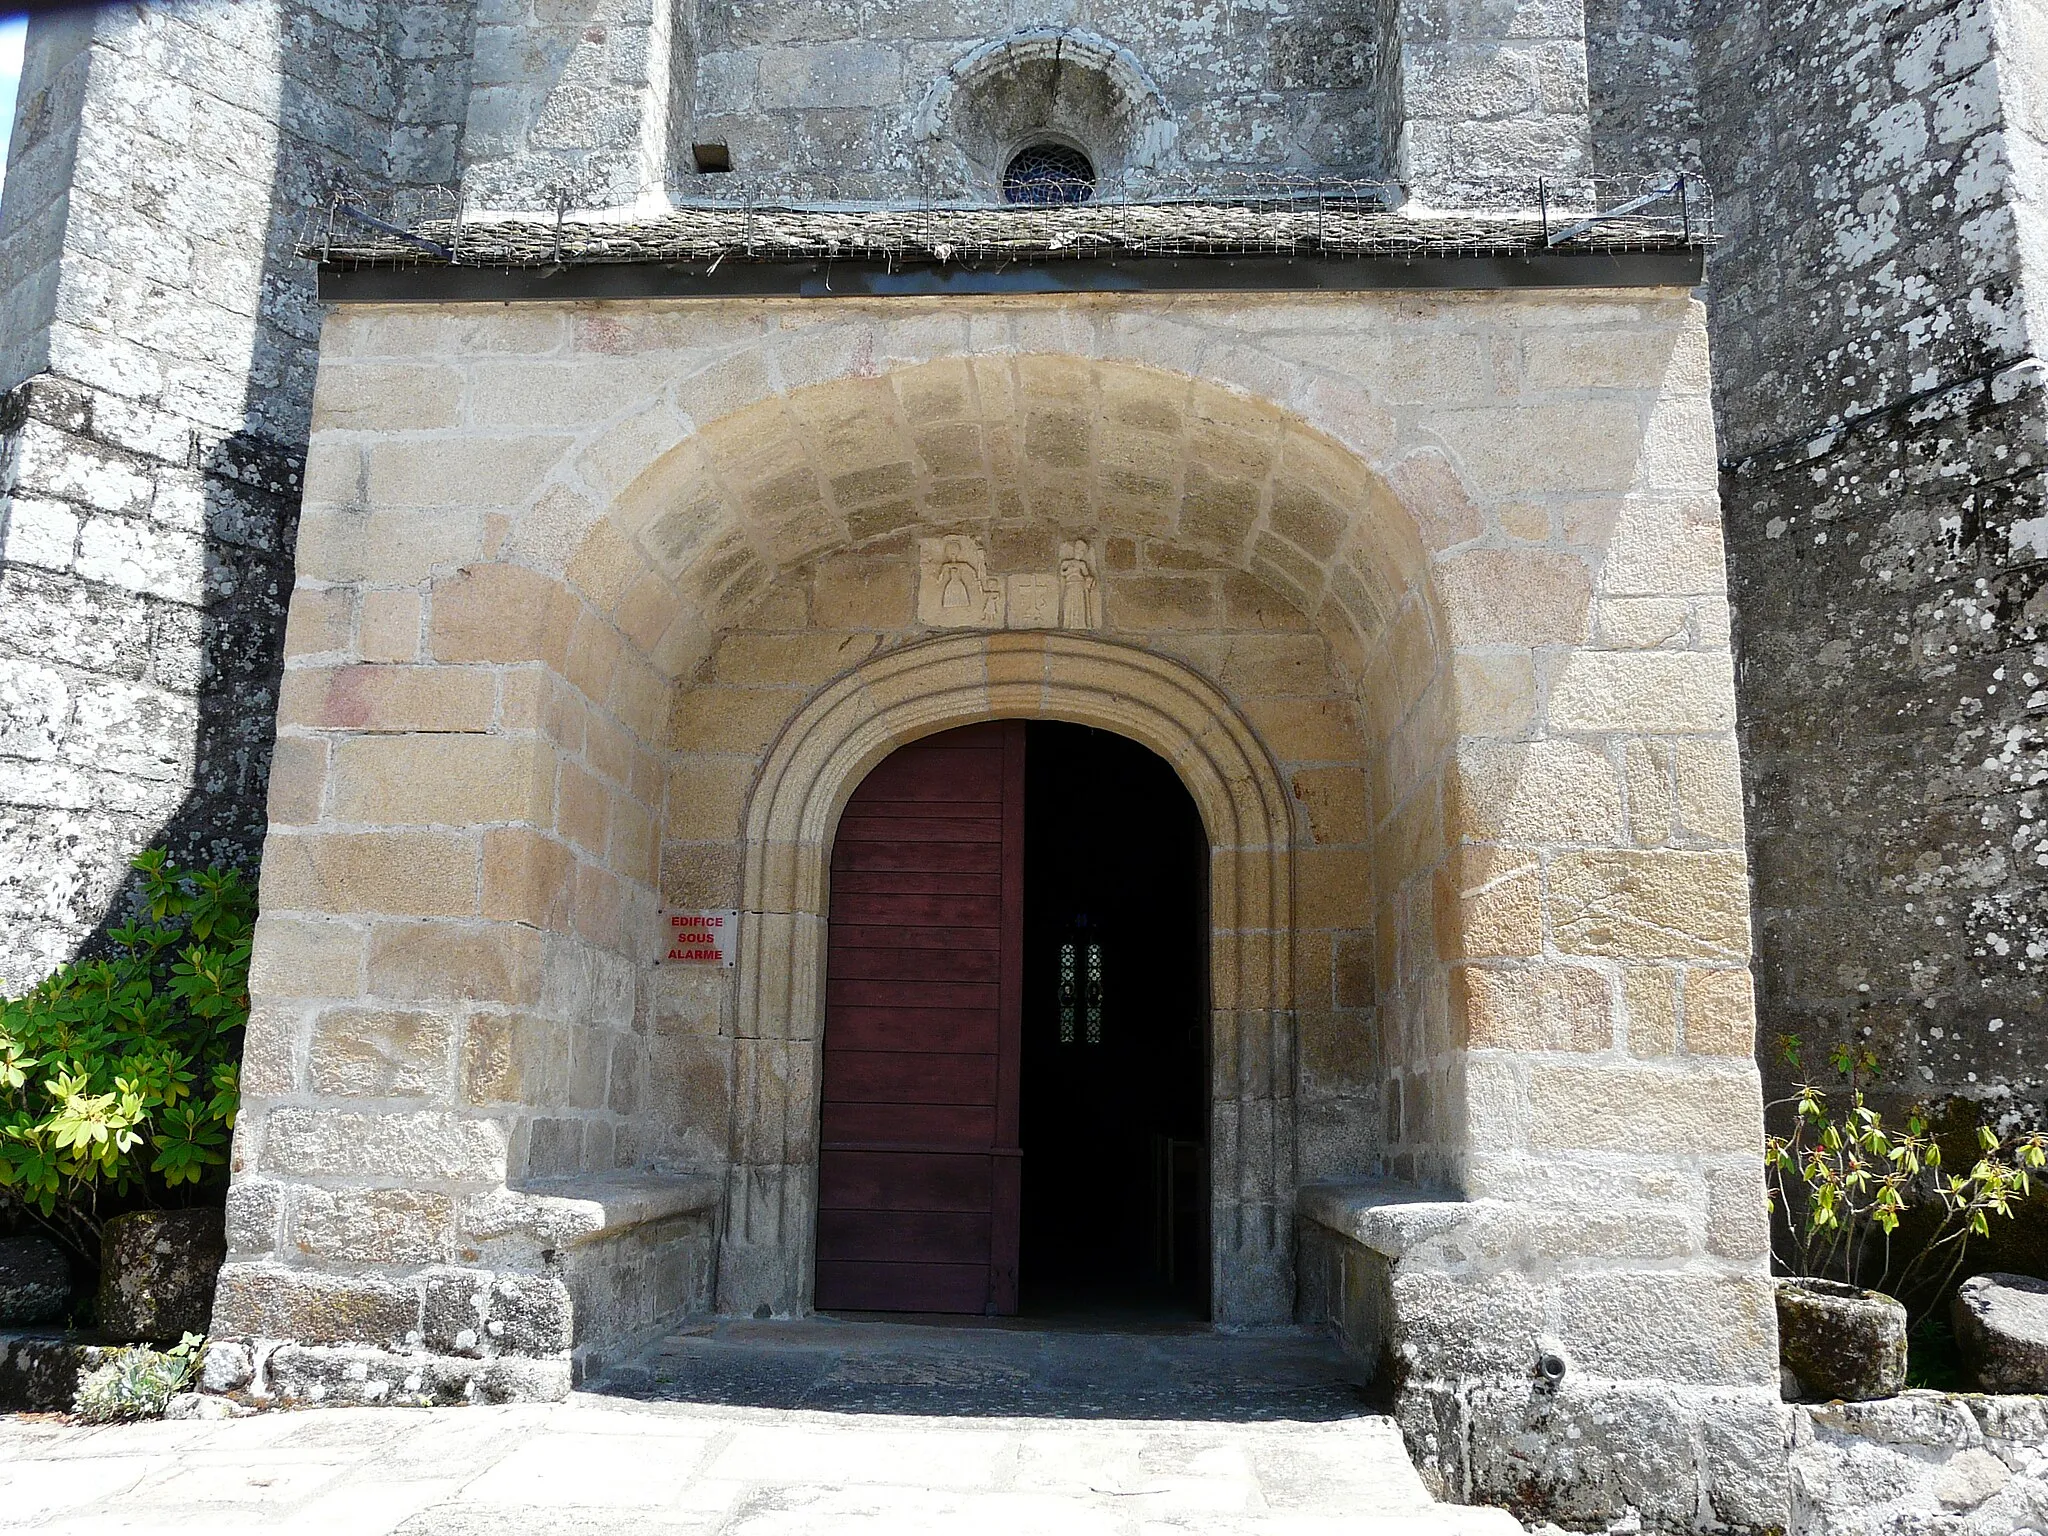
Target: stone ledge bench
x=1455 y=1305
x=635 y=1249
x=561 y=1277
x=1353 y=1238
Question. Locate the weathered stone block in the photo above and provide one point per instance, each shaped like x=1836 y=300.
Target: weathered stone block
x=717 y=719
x=388 y=626
x=443 y=779
x=1584 y=1452
x=415 y=874
x=861 y=595
x=528 y=877
x=1633 y=1108
x=226 y=1367
x=35 y=1281
x=1720 y=1013
x=39 y=1370
x=255 y=1215
x=1703 y=1328
x=157 y=1273
x=381 y=1052
x=372 y=1226
x=470 y=470
x=1629 y=691
x=1650 y=904
x=388 y=698
x=1541 y=1008
x=1540 y=792
x=478 y=1313
x=1738 y=1225
x=446 y=962
x=1841 y=1341
x=299 y=1377
x=270 y=1301
x=416 y=1144
x=2001 y=1324
x=1488 y=901
x=500 y=613
x=1515 y=597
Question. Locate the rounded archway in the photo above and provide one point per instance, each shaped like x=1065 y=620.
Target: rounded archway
x=848 y=546
x=1063 y=84
x=814 y=766
x=1221 y=575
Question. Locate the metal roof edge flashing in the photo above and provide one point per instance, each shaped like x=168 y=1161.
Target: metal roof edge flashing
x=353 y=282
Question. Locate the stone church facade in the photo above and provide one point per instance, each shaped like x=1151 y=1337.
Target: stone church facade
x=504 y=627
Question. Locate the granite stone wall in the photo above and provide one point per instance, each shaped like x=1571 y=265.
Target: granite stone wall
x=827 y=85
x=160 y=339
x=604 y=107
x=1880 y=410
x=1643 y=87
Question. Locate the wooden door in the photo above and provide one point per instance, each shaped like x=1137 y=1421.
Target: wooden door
x=918 y=1172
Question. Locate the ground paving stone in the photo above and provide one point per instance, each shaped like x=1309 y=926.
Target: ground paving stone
x=789 y=1429
x=1186 y=1372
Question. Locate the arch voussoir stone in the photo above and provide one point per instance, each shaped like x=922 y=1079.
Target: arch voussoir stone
x=811 y=770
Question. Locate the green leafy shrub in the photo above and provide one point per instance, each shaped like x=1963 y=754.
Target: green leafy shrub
x=136 y=1383
x=1844 y=1183
x=118 y=1075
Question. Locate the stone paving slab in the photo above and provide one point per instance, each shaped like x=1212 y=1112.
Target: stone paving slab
x=608 y=1465
x=1002 y=1369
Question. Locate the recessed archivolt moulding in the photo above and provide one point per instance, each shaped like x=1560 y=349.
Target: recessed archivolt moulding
x=814 y=767
x=1050 y=82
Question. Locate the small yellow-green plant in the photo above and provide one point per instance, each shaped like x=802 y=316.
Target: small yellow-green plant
x=118 y=1075
x=136 y=1383
x=1844 y=1183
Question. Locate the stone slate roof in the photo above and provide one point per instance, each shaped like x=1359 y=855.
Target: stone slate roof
x=711 y=233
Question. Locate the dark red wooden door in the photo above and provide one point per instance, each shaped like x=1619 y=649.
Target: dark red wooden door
x=918 y=1174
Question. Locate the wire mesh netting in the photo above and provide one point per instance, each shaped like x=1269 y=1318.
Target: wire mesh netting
x=1275 y=213
x=1048 y=173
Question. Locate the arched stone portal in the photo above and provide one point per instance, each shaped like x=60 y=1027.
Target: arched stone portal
x=925 y=688
x=602 y=608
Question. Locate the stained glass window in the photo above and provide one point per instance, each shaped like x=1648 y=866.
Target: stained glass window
x=1047 y=174
x=1092 y=995
x=1069 y=994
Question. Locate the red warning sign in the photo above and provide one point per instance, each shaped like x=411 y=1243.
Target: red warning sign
x=700 y=938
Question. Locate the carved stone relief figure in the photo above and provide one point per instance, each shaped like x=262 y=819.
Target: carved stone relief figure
x=954 y=590
x=1080 y=599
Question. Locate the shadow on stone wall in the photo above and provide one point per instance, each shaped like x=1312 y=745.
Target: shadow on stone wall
x=156 y=469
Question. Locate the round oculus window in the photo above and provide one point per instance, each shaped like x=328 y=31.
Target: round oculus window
x=1045 y=174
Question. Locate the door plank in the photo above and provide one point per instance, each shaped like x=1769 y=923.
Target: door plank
x=860 y=936
x=849 y=882
x=922 y=909
x=910 y=1029
x=938 y=1237
x=908 y=994
x=905 y=1181
x=914 y=856
x=864 y=1287
x=966 y=1126
x=851 y=964
x=1006 y=1193
x=910 y=1077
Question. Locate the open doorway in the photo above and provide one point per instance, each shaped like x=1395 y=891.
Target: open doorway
x=1115 y=1192
x=1013 y=1114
